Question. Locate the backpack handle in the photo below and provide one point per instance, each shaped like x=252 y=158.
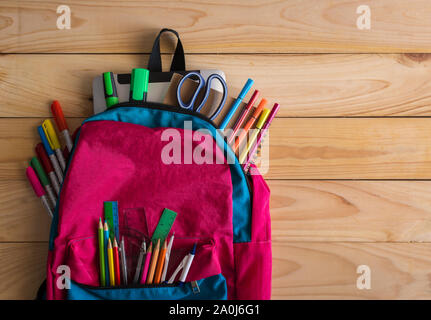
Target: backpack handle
x=178 y=61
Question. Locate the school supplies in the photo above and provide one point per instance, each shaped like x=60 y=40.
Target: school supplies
x=53 y=142
x=188 y=264
x=105 y=242
x=236 y=104
x=110 y=209
x=38 y=189
x=146 y=264
x=123 y=262
x=206 y=86
x=142 y=251
x=254 y=134
x=249 y=124
x=168 y=254
x=111 y=264
x=110 y=89
x=160 y=263
x=116 y=263
x=243 y=115
x=34 y=162
x=261 y=136
x=101 y=254
x=41 y=153
x=154 y=258
x=61 y=124
x=139 y=84
x=166 y=221
x=51 y=154
x=182 y=265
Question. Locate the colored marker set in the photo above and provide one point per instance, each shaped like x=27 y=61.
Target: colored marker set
x=46 y=171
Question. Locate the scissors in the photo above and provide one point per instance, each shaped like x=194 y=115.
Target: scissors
x=202 y=85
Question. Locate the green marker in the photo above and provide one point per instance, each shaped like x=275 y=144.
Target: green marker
x=43 y=178
x=139 y=84
x=110 y=89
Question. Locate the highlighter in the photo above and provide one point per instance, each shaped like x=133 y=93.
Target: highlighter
x=53 y=141
x=61 y=124
x=38 y=189
x=110 y=89
x=51 y=154
x=35 y=164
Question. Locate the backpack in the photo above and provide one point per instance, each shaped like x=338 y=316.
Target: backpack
x=117 y=157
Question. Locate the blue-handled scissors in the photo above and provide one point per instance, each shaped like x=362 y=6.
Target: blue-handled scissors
x=207 y=88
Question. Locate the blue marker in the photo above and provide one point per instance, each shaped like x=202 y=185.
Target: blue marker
x=236 y=104
x=51 y=154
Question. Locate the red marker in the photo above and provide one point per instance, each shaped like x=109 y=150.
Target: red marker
x=38 y=189
x=46 y=163
x=61 y=124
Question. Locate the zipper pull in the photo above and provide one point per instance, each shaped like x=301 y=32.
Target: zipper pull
x=195 y=287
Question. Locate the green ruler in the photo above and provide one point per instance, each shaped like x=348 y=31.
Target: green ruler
x=111 y=217
x=164 y=226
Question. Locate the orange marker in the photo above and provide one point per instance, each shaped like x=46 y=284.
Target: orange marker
x=116 y=263
x=160 y=264
x=153 y=263
x=61 y=124
x=249 y=123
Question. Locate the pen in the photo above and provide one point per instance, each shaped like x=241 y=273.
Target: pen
x=188 y=264
x=168 y=255
x=153 y=263
x=53 y=142
x=139 y=84
x=38 y=189
x=243 y=114
x=160 y=263
x=236 y=104
x=41 y=153
x=140 y=260
x=111 y=264
x=262 y=134
x=61 y=124
x=250 y=123
x=123 y=261
x=146 y=263
x=101 y=254
x=51 y=154
x=254 y=134
x=35 y=164
x=116 y=263
x=110 y=89
x=105 y=243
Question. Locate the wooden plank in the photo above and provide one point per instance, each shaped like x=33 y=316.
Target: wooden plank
x=305 y=85
x=367 y=211
x=22 y=270
x=328 y=270
x=213 y=27
x=326 y=148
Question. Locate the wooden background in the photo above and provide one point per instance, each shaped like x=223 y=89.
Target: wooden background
x=350 y=156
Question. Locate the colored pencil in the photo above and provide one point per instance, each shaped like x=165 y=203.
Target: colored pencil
x=116 y=263
x=146 y=264
x=168 y=255
x=105 y=243
x=111 y=264
x=160 y=263
x=154 y=258
x=101 y=254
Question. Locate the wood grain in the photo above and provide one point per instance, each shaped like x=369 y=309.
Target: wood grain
x=328 y=270
x=216 y=27
x=323 y=85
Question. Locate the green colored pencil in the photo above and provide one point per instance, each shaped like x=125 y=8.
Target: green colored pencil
x=101 y=254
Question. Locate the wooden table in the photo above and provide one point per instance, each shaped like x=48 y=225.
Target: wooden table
x=350 y=150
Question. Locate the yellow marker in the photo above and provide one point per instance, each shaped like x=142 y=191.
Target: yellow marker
x=111 y=264
x=264 y=115
x=53 y=141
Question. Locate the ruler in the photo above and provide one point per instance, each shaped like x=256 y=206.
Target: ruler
x=164 y=226
x=111 y=217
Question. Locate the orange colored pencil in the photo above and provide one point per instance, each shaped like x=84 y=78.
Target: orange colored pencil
x=116 y=263
x=160 y=263
x=153 y=263
x=250 y=123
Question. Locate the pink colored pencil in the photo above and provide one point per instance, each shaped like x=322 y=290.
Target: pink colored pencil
x=146 y=264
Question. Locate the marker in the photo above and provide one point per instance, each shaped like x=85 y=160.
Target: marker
x=188 y=264
x=61 y=124
x=101 y=254
x=53 y=142
x=116 y=263
x=160 y=264
x=168 y=255
x=153 y=263
x=110 y=89
x=105 y=242
x=38 y=189
x=111 y=264
x=35 y=164
x=146 y=264
x=123 y=262
x=261 y=136
x=43 y=157
x=236 y=104
x=140 y=260
x=243 y=114
x=254 y=134
x=139 y=84
x=51 y=154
